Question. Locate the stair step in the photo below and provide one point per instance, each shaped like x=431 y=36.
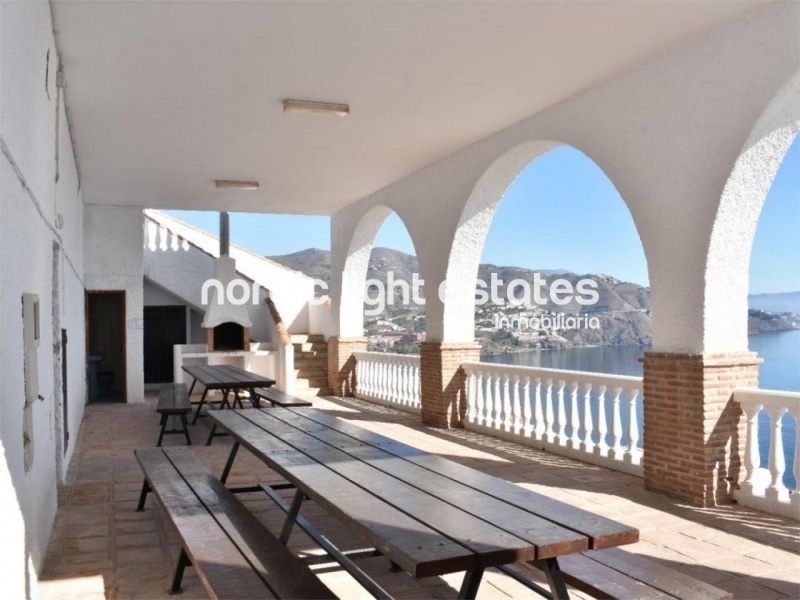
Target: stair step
x=311 y=371
x=310 y=347
x=302 y=338
x=310 y=363
x=307 y=354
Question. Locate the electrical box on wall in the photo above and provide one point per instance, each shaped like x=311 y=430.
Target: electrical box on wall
x=31 y=329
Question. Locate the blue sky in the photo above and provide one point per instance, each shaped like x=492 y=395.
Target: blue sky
x=561 y=212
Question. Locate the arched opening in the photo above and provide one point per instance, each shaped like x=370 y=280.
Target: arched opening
x=382 y=296
x=774 y=304
x=564 y=240
x=744 y=264
x=538 y=225
x=727 y=265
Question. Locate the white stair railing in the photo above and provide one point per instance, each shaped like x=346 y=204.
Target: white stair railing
x=575 y=413
x=391 y=379
x=765 y=484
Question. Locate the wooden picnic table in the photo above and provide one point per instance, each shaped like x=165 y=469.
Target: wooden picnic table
x=429 y=515
x=227 y=379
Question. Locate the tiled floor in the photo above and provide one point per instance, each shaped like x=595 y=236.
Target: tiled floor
x=102 y=547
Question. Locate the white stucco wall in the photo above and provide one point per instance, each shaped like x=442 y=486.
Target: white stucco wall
x=41 y=252
x=667 y=133
x=113 y=261
x=182 y=268
x=182 y=271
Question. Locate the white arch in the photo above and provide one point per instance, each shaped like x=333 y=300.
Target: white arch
x=470 y=236
x=728 y=260
x=356 y=265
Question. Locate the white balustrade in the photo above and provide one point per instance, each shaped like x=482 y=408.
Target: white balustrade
x=391 y=379
x=765 y=486
x=565 y=412
x=158 y=237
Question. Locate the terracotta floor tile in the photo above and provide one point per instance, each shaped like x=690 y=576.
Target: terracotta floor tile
x=101 y=542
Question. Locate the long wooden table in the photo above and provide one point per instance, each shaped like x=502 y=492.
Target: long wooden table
x=429 y=515
x=227 y=379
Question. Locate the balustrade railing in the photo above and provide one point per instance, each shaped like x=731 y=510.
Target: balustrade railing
x=578 y=414
x=771 y=454
x=391 y=379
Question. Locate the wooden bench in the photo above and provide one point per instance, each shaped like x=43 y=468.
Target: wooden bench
x=279 y=398
x=173 y=401
x=233 y=553
x=615 y=573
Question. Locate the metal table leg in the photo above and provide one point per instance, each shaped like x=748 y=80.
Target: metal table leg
x=291 y=517
x=200 y=406
x=472 y=581
x=227 y=470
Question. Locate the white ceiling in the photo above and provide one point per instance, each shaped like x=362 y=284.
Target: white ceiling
x=166 y=97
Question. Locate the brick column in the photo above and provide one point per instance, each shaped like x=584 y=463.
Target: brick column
x=443 y=382
x=694 y=433
x=342 y=364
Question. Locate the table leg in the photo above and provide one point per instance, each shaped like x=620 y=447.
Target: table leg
x=227 y=470
x=200 y=406
x=237 y=399
x=224 y=402
x=555 y=578
x=472 y=581
x=191 y=388
x=291 y=516
x=254 y=400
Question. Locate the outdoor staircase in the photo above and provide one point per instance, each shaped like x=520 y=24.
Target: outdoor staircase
x=311 y=365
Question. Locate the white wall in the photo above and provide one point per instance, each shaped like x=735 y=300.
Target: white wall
x=182 y=272
x=41 y=252
x=667 y=134
x=113 y=260
x=290 y=290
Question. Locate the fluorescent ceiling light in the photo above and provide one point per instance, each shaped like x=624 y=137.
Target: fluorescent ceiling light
x=307 y=106
x=230 y=184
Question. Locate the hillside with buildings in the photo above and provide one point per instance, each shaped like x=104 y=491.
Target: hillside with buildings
x=619 y=317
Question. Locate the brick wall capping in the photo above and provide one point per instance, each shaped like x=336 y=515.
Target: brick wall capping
x=711 y=359
x=451 y=345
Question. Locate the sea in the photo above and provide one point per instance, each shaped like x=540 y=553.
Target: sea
x=780 y=371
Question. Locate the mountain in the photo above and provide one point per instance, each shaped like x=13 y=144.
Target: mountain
x=786 y=302
x=313 y=262
x=622 y=308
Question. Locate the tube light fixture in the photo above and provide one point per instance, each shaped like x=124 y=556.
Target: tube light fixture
x=230 y=184
x=322 y=108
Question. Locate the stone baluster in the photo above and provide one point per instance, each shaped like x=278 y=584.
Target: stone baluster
x=574 y=417
x=588 y=427
x=508 y=417
x=633 y=454
x=497 y=401
x=602 y=422
x=752 y=459
x=777 y=462
x=538 y=412
x=527 y=426
x=616 y=426
x=517 y=402
x=549 y=416
x=562 y=414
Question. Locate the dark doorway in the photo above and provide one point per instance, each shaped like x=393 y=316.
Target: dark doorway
x=105 y=346
x=164 y=326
